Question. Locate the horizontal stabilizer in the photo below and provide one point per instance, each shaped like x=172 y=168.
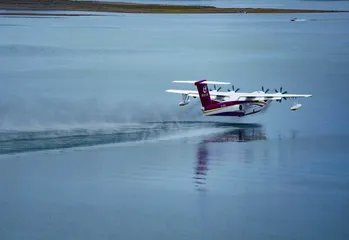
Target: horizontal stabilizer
x=207 y=82
x=194 y=93
x=182 y=91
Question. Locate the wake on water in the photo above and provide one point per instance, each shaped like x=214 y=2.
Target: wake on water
x=23 y=141
x=28 y=127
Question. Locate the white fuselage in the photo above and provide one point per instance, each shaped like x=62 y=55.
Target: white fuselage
x=234 y=105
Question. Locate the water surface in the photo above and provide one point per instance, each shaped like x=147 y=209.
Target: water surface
x=91 y=145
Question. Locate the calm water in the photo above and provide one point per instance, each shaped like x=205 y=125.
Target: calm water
x=295 y=4
x=92 y=147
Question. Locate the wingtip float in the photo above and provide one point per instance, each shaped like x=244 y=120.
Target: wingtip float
x=296 y=107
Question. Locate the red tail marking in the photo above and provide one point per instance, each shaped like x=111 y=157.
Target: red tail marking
x=204 y=93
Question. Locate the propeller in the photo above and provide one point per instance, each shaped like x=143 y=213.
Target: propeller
x=233 y=88
x=281 y=93
x=265 y=90
x=214 y=86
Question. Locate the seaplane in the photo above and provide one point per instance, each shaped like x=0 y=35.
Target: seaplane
x=232 y=102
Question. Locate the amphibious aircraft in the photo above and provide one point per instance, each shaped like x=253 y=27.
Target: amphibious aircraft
x=232 y=102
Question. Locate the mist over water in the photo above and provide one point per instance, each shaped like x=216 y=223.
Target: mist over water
x=50 y=113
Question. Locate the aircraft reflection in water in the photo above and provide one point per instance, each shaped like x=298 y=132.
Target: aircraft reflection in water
x=244 y=133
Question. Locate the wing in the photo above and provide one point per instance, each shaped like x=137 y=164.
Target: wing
x=272 y=96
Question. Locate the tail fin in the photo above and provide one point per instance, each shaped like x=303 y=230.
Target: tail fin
x=204 y=93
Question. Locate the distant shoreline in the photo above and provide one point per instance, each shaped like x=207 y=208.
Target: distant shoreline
x=122 y=7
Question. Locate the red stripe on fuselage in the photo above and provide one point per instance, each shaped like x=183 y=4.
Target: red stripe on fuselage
x=235 y=114
x=226 y=104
